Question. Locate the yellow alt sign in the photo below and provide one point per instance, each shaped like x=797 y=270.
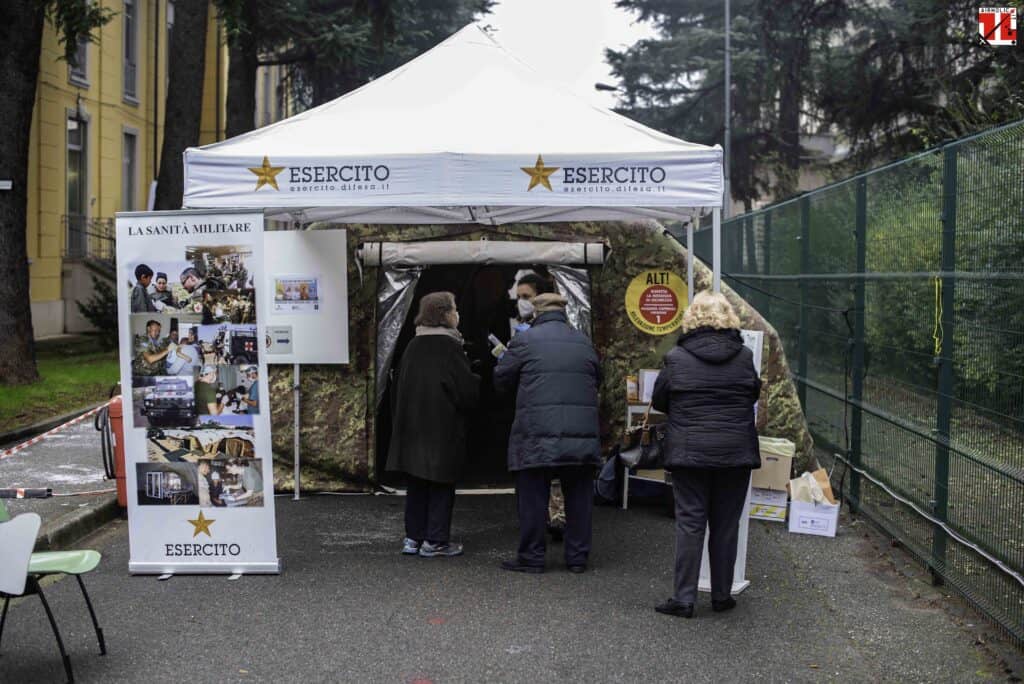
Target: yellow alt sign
x=655 y=301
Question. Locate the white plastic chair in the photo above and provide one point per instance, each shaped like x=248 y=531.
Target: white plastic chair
x=17 y=539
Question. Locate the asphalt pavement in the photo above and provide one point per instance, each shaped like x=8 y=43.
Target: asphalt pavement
x=347 y=607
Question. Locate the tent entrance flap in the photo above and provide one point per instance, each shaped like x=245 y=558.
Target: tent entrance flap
x=485 y=307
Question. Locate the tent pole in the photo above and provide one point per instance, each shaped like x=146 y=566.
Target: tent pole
x=716 y=249
x=689 y=262
x=295 y=389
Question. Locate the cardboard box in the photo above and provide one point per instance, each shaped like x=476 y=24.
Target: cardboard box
x=632 y=389
x=766 y=504
x=776 y=464
x=817 y=519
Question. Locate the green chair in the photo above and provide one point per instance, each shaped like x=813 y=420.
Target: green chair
x=45 y=563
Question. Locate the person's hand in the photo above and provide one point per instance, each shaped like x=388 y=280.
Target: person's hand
x=171 y=346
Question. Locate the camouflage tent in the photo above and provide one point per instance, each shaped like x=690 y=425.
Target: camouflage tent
x=337 y=433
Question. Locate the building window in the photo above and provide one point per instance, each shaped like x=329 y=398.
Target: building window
x=130 y=49
x=170 y=34
x=267 y=115
x=76 y=176
x=128 y=172
x=79 y=71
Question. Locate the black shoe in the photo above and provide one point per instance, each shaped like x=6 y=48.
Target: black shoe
x=557 y=532
x=577 y=569
x=516 y=566
x=723 y=605
x=673 y=607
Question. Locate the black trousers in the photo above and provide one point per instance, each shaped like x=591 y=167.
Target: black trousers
x=533 y=488
x=709 y=498
x=428 y=510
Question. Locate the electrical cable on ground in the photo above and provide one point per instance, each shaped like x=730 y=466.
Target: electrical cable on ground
x=935 y=521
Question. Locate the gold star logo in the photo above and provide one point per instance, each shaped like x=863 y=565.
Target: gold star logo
x=201 y=524
x=266 y=174
x=539 y=174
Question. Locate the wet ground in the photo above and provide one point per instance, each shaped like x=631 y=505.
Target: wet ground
x=347 y=607
x=69 y=462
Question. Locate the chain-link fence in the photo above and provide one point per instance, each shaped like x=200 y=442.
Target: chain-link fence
x=899 y=297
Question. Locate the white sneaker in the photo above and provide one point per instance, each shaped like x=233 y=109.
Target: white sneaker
x=428 y=550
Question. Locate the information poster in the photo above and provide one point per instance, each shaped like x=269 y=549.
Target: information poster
x=655 y=302
x=307 y=312
x=194 y=384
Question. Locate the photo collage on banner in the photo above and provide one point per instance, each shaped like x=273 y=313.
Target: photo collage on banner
x=194 y=392
x=194 y=377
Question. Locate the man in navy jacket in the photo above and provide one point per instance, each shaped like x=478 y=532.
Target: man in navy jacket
x=556 y=374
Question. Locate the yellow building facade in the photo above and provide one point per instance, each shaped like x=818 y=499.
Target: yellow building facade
x=95 y=146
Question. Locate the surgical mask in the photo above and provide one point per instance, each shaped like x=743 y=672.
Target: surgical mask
x=525 y=308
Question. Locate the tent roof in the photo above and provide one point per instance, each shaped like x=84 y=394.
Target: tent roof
x=464 y=132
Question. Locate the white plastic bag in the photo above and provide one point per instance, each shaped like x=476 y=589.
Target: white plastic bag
x=806 y=490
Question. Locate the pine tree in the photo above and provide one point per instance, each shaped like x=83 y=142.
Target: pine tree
x=909 y=74
x=674 y=82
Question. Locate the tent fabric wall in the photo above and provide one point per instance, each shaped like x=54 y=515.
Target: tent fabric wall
x=339 y=402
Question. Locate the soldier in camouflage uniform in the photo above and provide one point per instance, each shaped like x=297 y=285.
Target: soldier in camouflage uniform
x=151 y=351
x=197 y=286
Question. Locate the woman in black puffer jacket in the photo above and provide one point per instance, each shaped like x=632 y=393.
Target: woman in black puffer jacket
x=708 y=388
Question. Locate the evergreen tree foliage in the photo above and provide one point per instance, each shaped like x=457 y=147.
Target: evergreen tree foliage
x=101 y=311
x=674 y=81
x=886 y=78
x=909 y=74
x=331 y=47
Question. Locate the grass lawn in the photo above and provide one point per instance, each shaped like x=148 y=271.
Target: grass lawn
x=74 y=373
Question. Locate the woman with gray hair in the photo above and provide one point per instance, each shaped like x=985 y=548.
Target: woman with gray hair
x=433 y=393
x=708 y=387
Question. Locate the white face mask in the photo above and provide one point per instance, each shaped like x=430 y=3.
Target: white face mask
x=526 y=309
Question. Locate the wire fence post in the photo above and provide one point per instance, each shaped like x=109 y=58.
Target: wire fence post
x=767 y=310
x=805 y=267
x=857 y=343
x=944 y=360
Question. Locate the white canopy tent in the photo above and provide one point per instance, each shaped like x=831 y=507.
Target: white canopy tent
x=465 y=133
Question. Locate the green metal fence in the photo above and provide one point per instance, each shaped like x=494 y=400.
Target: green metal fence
x=899 y=297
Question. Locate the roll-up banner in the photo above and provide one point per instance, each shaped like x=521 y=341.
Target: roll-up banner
x=194 y=384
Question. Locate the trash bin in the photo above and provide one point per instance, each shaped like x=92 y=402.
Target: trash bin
x=776 y=464
x=116 y=414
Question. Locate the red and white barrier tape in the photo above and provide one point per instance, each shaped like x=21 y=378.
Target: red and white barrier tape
x=39 y=438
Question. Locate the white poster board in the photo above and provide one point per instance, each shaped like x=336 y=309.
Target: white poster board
x=194 y=378
x=753 y=340
x=307 y=310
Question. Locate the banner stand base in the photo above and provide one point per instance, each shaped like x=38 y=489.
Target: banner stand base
x=267 y=568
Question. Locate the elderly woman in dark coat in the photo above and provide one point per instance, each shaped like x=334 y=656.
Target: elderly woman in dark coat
x=708 y=388
x=433 y=394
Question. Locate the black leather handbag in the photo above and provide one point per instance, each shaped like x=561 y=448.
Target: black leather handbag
x=644 y=446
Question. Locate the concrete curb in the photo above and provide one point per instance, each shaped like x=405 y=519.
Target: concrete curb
x=18 y=435
x=65 y=530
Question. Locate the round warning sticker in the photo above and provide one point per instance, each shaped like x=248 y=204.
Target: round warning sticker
x=655 y=301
